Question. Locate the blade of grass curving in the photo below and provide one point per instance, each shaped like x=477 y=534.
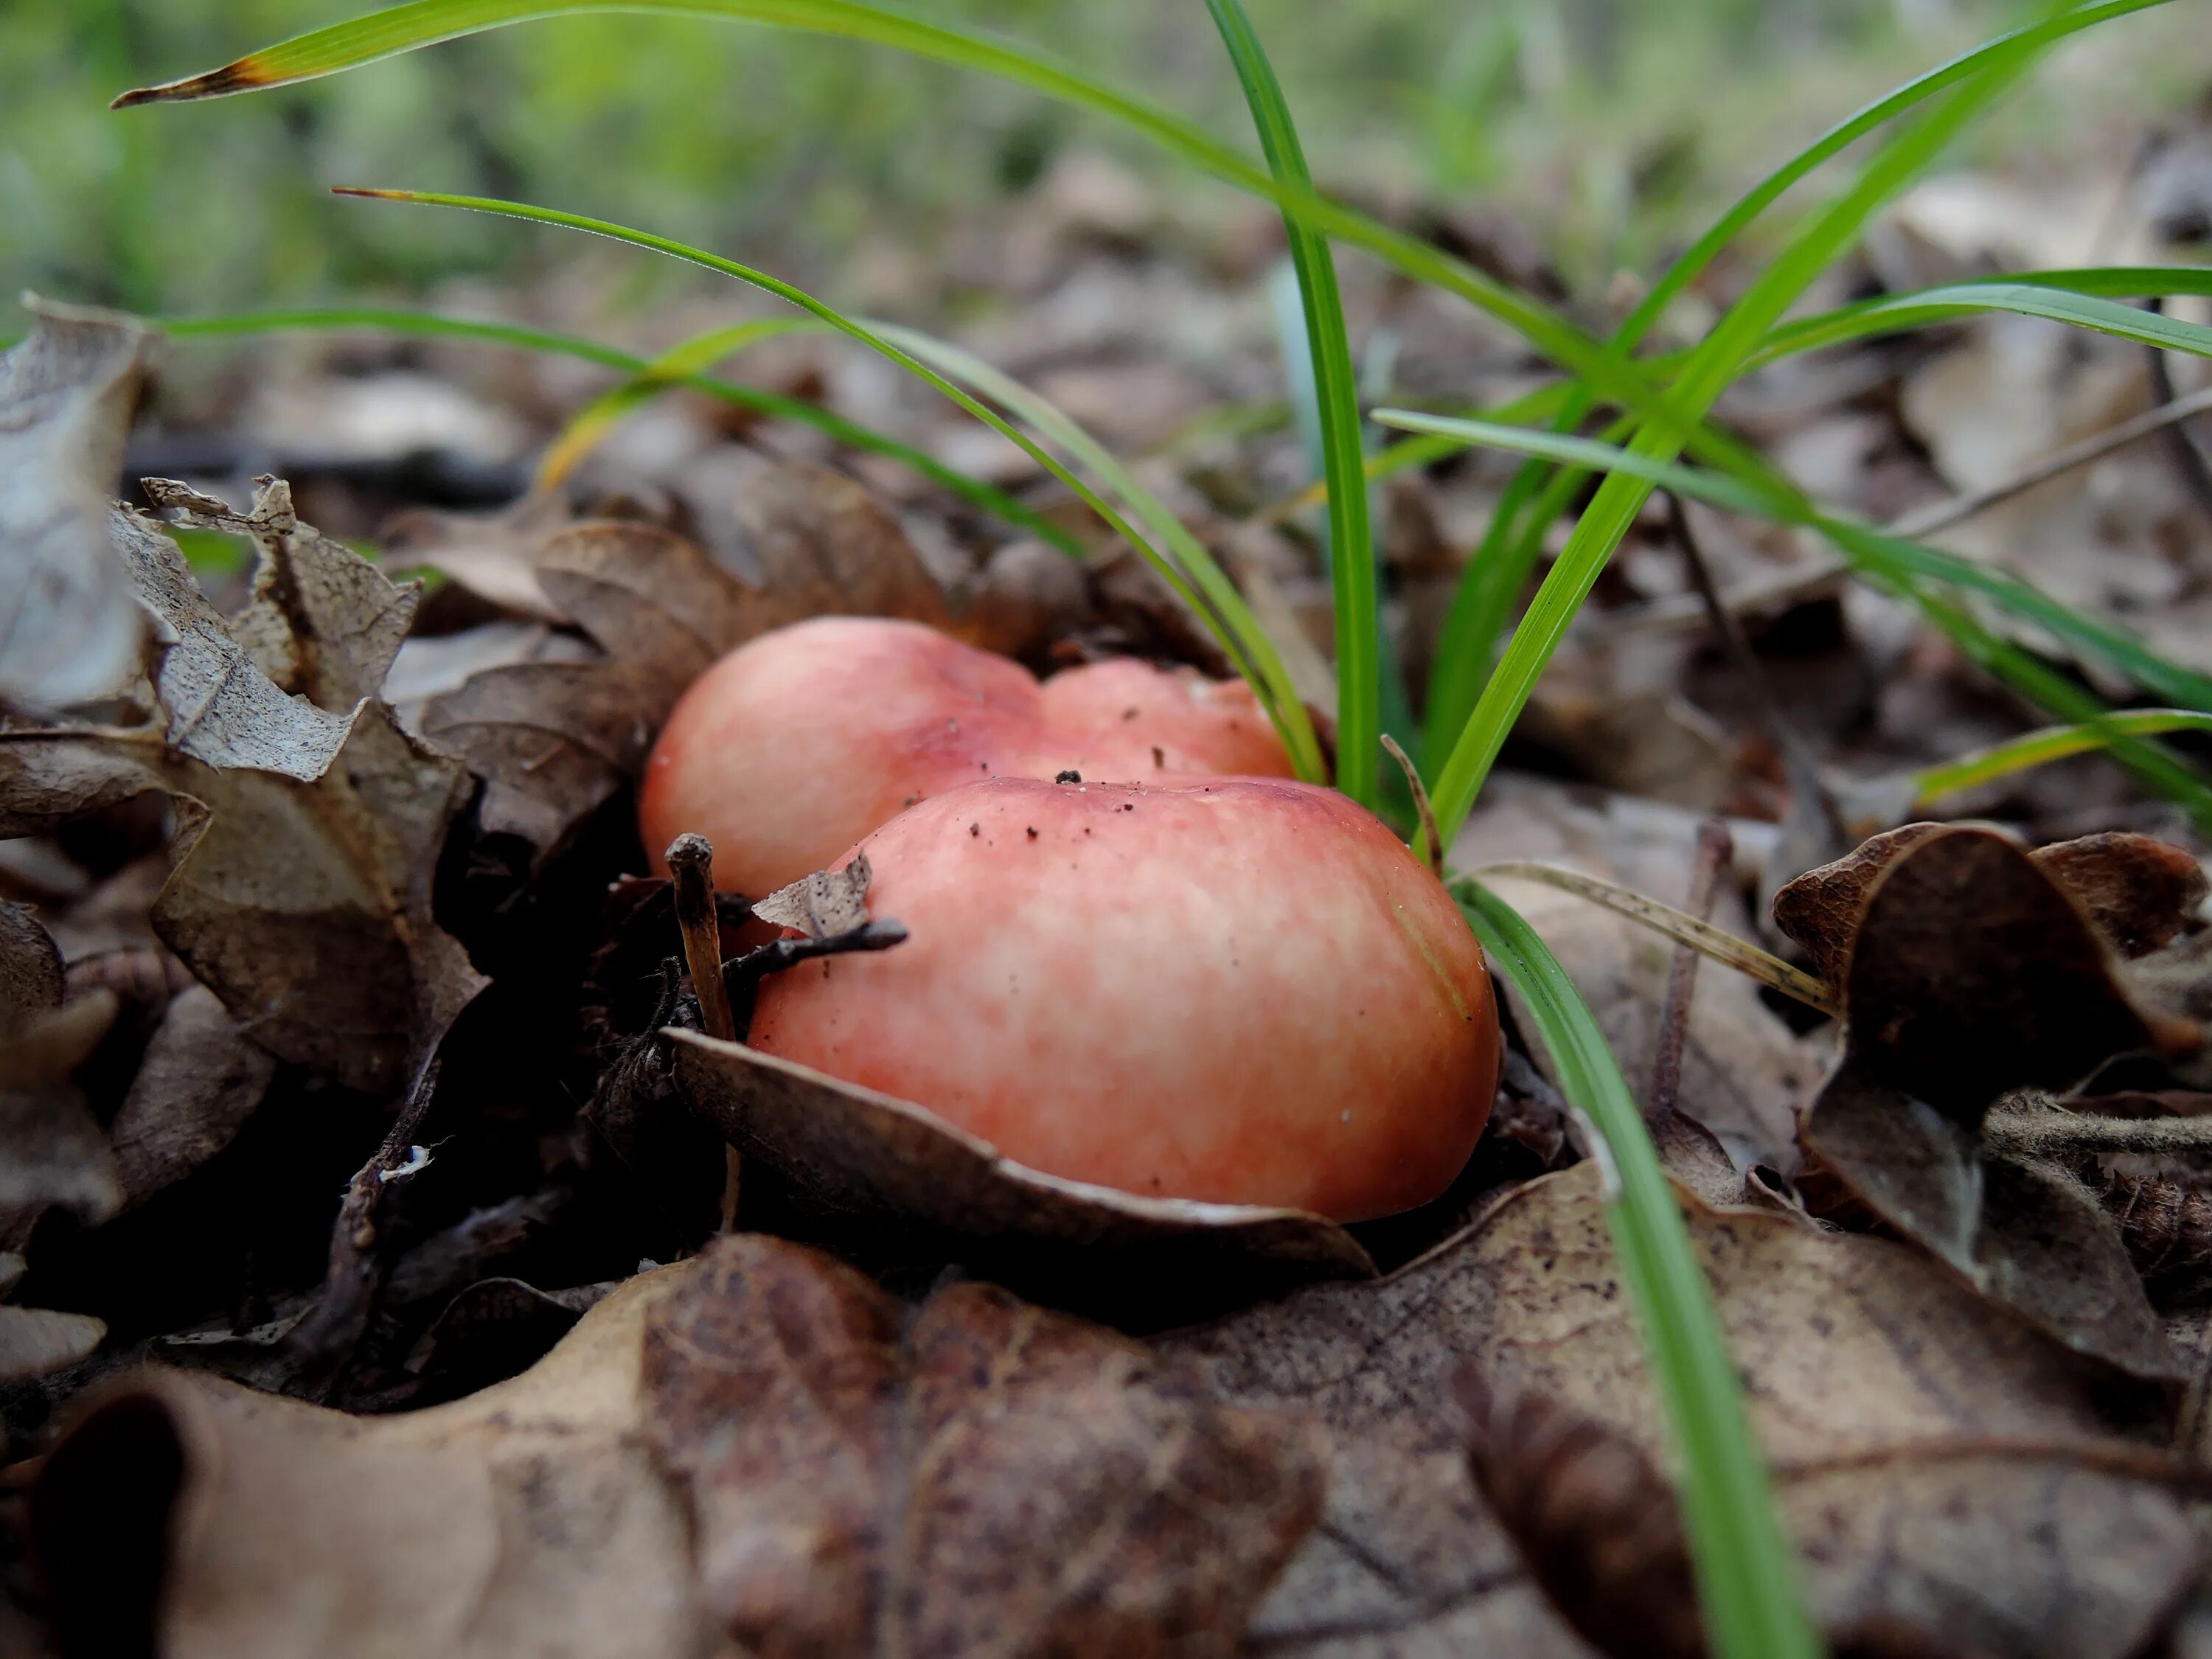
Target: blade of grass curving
x=987 y=497
x=1247 y=647
x=1899 y=312
x=1754 y=201
x=428 y=22
x=1272 y=681
x=1709 y=371
x=591 y=424
x=1903 y=569
x=1544 y=404
x=1747 y=1581
x=1336 y=404
x=2055 y=742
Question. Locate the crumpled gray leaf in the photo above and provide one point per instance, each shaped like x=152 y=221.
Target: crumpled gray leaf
x=69 y=629
x=219 y=706
x=822 y=905
x=303 y=903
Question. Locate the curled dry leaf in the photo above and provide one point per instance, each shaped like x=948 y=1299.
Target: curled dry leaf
x=864 y=1160
x=755 y=1447
x=1944 y=1468
x=69 y=629
x=301 y=896
x=52 y=1151
x=222 y=707
x=1970 y=975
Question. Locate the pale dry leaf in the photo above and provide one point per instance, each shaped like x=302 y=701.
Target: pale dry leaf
x=884 y=1167
x=222 y=707
x=200 y=1078
x=36 y=1341
x=52 y=1151
x=69 y=629
x=1927 y=1446
x=975 y=1475
x=822 y=905
x=527 y=1519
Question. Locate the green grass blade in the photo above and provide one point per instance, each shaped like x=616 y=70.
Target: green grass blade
x=2055 y=742
x=1748 y=1582
x=1770 y=190
x=428 y=22
x=987 y=497
x=590 y=425
x=1336 y=402
x=2074 y=306
x=1247 y=646
x=1867 y=548
x=1709 y=371
x=1464 y=648
x=1903 y=567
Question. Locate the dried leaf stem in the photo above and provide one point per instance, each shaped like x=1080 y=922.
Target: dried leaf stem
x=1702 y=937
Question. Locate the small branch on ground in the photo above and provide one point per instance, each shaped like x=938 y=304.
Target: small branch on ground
x=327 y=1339
x=691 y=864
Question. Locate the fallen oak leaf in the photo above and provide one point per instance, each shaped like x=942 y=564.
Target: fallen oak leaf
x=68 y=630
x=1971 y=974
x=52 y=1151
x=978 y=1474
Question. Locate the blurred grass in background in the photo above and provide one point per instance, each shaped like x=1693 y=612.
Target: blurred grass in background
x=1607 y=125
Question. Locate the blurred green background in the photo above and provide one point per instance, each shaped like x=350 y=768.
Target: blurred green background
x=1606 y=124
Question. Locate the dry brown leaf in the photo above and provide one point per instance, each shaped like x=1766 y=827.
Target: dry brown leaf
x=1937 y=1460
x=822 y=905
x=554 y=741
x=2139 y=893
x=979 y=1475
x=200 y=1078
x=30 y=964
x=758 y=1440
x=866 y=1161
x=1822 y=909
x=1970 y=973
x=69 y=629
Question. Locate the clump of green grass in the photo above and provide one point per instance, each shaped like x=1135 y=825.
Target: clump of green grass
x=1654 y=432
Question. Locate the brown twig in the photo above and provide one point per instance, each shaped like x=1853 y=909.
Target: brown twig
x=1715 y=849
x=327 y=1338
x=690 y=864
